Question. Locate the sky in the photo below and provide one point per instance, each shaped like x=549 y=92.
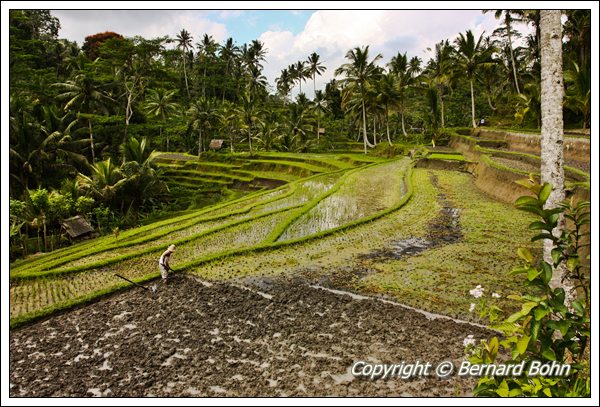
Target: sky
x=290 y=35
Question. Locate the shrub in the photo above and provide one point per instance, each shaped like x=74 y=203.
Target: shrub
x=550 y=327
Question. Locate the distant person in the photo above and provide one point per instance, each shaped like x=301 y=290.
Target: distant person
x=164 y=263
x=481 y=122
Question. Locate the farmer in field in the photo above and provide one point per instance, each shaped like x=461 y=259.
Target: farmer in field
x=164 y=263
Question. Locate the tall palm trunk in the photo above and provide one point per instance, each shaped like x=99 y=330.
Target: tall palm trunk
x=187 y=89
x=204 y=82
x=442 y=106
x=318 y=127
x=387 y=125
x=472 y=105
x=512 y=57
x=199 y=140
x=552 y=141
x=366 y=141
x=92 y=141
x=403 y=128
x=45 y=236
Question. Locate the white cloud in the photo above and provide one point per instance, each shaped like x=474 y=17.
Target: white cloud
x=332 y=33
x=77 y=24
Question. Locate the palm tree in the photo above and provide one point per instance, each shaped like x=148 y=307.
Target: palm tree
x=578 y=98
x=402 y=71
x=159 y=103
x=229 y=120
x=105 y=181
x=228 y=54
x=360 y=73
x=256 y=53
x=300 y=72
x=439 y=70
x=320 y=108
x=470 y=55
x=207 y=49
x=284 y=83
x=389 y=97
x=249 y=115
x=203 y=114
x=315 y=68
x=184 y=43
x=506 y=29
x=257 y=82
x=86 y=96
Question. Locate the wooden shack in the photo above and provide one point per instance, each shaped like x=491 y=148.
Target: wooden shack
x=216 y=144
x=77 y=228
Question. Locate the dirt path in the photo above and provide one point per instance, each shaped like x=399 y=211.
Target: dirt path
x=279 y=338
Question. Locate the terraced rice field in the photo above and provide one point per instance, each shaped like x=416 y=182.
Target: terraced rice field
x=305 y=276
x=329 y=226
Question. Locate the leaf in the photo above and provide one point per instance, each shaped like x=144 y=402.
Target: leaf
x=493 y=347
x=527 y=307
x=578 y=307
x=514 y=317
x=545 y=193
x=535 y=329
x=538 y=225
x=540 y=312
x=543 y=236
x=514 y=296
x=549 y=354
x=572 y=263
x=518 y=270
x=515 y=392
x=525 y=254
x=522 y=344
x=527 y=200
x=502 y=390
x=547 y=269
x=532 y=274
x=531 y=208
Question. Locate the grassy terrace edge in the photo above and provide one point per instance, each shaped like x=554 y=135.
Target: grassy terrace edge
x=30 y=317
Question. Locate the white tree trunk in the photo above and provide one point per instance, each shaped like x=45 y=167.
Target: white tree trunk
x=512 y=56
x=473 y=105
x=552 y=170
x=92 y=141
x=403 y=128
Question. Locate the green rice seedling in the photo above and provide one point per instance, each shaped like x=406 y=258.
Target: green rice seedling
x=363 y=193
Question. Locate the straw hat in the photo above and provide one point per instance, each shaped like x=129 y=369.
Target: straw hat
x=171 y=248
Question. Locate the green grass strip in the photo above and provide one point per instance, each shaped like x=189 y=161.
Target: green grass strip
x=33 y=316
x=99 y=248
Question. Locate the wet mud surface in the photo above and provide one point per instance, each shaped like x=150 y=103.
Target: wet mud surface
x=254 y=337
x=444 y=229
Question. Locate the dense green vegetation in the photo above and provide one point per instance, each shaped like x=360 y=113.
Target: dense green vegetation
x=85 y=120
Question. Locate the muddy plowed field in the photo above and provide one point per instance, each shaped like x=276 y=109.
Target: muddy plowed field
x=282 y=337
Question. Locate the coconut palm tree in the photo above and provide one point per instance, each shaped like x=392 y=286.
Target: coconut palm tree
x=85 y=96
x=388 y=97
x=400 y=68
x=508 y=16
x=360 y=74
x=203 y=115
x=470 y=55
x=207 y=49
x=184 y=43
x=284 y=83
x=104 y=183
x=228 y=53
x=300 y=73
x=249 y=112
x=159 y=103
x=319 y=105
x=578 y=95
x=315 y=68
x=439 y=70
